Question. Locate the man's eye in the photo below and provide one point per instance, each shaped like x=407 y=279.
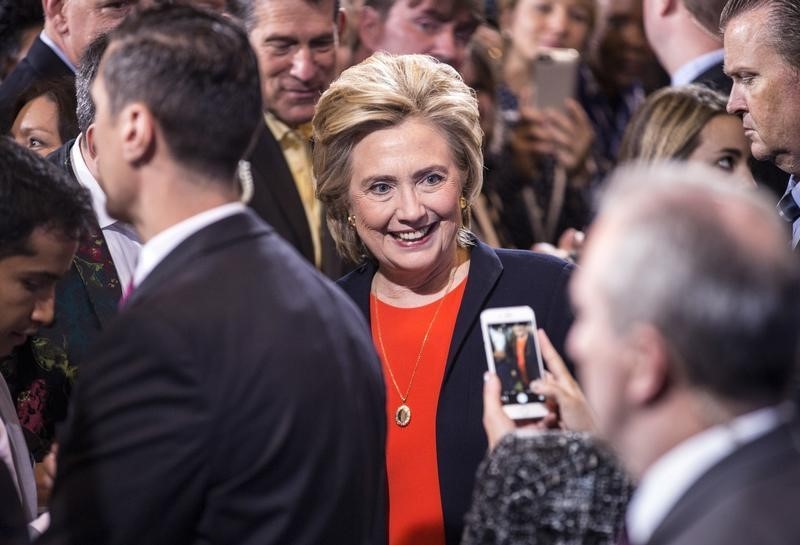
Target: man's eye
x=429 y=26
x=279 y=48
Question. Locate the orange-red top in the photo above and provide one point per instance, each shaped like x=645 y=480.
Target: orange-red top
x=415 y=505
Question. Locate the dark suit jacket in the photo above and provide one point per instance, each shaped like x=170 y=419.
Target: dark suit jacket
x=507 y=368
x=237 y=398
x=13 y=526
x=39 y=64
x=715 y=78
x=277 y=201
x=43 y=370
x=497 y=278
x=750 y=497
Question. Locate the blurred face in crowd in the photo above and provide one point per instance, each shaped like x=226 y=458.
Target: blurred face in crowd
x=404 y=194
x=36 y=126
x=766 y=90
x=548 y=23
x=81 y=21
x=723 y=145
x=440 y=28
x=295 y=41
x=598 y=350
x=622 y=50
x=27 y=286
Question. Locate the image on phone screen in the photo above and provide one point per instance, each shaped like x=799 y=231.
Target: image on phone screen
x=513 y=354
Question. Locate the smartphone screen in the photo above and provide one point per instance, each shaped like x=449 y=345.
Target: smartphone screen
x=512 y=352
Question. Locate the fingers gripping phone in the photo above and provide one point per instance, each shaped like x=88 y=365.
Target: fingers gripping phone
x=512 y=352
x=555 y=77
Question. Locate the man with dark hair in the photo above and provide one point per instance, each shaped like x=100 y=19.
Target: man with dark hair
x=684 y=35
x=69 y=26
x=42 y=217
x=686 y=343
x=762 y=57
x=295 y=41
x=237 y=397
x=440 y=28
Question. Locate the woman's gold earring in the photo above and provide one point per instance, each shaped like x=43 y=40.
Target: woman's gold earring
x=351 y=219
x=462 y=202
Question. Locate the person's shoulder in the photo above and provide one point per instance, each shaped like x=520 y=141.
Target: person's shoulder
x=525 y=261
x=356 y=278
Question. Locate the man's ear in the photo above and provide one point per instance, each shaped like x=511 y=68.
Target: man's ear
x=650 y=372
x=54 y=11
x=666 y=7
x=341 y=23
x=370 y=28
x=137 y=130
x=90 y=157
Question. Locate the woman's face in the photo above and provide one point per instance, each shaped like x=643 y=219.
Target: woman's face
x=404 y=194
x=723 y=145
x=36 y=126
x=548 y=23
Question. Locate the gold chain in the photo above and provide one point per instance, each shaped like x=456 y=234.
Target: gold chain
x=424 y=339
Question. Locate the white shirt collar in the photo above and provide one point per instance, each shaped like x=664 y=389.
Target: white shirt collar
x=88 y=181
x=676 y=471
x=57 y=50
x=161 y=245
x=691 y=70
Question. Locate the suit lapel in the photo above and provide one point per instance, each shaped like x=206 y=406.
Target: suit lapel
x=19 y=452
x=45 y=62
x=98 y=274
x=750 y=463
x=272 y=180
x=484 y=272
x=93 y=261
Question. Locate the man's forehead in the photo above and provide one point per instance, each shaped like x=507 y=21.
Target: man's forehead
x=445 y=9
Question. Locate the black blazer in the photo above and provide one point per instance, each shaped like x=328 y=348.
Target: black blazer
x=277 y=201
x=237 y=398
x=497 y=278
x=749 y=497
x=716 y=79
x=39 y=64
x=13 y=526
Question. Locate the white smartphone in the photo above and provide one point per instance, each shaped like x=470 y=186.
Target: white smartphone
x=512 y=352
x=555 y=76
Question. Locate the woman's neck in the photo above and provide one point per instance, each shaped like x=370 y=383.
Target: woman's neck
x=404 y=289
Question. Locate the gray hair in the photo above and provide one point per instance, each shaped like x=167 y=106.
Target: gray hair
x=87 y=71
x=708 y=264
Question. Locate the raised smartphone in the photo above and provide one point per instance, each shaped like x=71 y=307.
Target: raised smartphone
x=512 y=352
x=555 y=77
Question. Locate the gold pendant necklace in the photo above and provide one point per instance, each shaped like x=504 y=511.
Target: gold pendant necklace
x=402 y=416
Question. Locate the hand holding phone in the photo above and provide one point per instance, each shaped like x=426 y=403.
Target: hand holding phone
x=512 y=352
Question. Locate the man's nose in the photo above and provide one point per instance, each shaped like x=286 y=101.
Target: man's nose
x=44 y=309
x=303 y=66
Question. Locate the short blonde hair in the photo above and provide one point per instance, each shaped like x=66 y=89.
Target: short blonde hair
x=668 y=124
x=381 y=92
